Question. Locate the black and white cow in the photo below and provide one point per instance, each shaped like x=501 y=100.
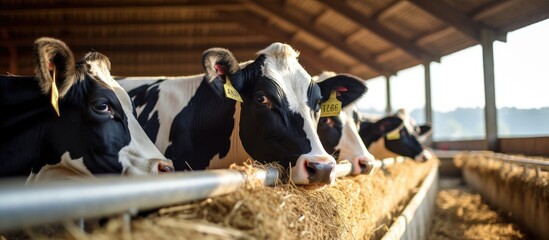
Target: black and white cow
x=71 y=120
x=339 y=134
x=191 y=120
x=396 y=135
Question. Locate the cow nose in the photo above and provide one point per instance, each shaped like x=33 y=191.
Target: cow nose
x=363 y=165
x=164 y=166
x=320 y=172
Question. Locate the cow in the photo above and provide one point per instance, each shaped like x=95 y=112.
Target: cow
x=71 y=120
x=196 y=122
x=339 y=133
x=396 y=135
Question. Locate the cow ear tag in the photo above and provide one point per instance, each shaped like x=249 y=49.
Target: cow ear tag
x=331 y=107
x=230 y=91
x=54 y=94
x=394 y=135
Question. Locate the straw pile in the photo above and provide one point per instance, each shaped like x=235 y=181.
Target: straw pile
x=360 y=207
x=461 y=214
x=519 y=192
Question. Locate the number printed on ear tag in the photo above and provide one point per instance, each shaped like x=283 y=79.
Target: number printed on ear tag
x=230 y=91
x=332 y=106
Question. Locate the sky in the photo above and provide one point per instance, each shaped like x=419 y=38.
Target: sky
x=521 y=77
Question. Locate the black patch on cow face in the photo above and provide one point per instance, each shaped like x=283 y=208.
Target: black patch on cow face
x=407 y=145
x=92 y=126
x=269 y=130
x=329 y=131
x=147 y=96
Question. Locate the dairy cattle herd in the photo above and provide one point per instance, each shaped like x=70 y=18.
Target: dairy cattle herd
x=73 y=119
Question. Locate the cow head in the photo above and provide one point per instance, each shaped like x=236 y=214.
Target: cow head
x=92 y=128
x=280 y=110
x=395 y=135
x=339 y=134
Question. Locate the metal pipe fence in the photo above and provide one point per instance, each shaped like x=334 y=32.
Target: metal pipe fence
x=44 y=203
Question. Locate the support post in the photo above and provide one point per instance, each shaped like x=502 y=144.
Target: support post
x=490 y=110
x=428 y=104
x=388 y=108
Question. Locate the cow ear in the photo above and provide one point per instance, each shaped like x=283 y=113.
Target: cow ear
x=387 y=125
x=219 y=63
x=348 y=88
x=53 y=59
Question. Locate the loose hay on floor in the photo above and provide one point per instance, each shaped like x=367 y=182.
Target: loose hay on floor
x=461 y=214
x=360 y=207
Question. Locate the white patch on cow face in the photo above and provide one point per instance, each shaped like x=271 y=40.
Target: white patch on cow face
x=67 y=168
x=140 y=156
x=281 y=66
x=350 y=146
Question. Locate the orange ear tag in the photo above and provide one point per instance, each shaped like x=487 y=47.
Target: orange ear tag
x=54 y=95
x=230 y=91
x=331 y=107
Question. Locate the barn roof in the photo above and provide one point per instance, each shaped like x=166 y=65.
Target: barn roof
x=367 y=38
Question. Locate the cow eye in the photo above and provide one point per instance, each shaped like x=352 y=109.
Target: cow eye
x=262 y=99
x=101 y=106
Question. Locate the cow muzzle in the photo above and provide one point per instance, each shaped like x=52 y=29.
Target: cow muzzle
x=363 y=165
x=314 y=171
x=164 y=166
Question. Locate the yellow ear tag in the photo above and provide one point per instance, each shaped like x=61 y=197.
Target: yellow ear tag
x=230 y=92
x=54 y=95
x=394 y=135
x=332 y=106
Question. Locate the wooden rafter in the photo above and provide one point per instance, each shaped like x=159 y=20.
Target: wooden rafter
x=307 y=52
x=380 y=30
x=458 y=20
x=271 y=9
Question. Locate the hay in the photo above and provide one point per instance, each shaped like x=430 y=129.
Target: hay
x=461 y=214
x=360 y=207
x=520 y=193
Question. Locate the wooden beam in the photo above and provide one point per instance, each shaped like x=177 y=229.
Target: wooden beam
x=260 y=25
x=72 y=6
x=274 y=10
x=48 y=25
x=358 y=18
x=458 y=20
x=188 y=41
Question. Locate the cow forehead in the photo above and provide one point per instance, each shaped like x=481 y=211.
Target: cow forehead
x=282 y=67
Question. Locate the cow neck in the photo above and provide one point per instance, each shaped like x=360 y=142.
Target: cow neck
x=236 y=153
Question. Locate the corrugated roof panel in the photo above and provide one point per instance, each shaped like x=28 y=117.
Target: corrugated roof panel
x=333 y=23
x=515 y=14
x=304 y=8
x=370 y=7
x=368 y=41
x=447 y=41
x=467 y=6
x=408 y=21
x=397 y=59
